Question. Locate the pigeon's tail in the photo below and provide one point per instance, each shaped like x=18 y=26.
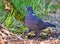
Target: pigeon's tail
x=49 y=24
x=53 y=25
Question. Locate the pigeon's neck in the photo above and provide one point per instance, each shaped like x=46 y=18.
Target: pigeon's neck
x=30 y=12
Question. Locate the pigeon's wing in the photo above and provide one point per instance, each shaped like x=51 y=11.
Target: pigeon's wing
x=40 y=24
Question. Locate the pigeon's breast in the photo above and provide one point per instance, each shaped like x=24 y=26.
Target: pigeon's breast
x=29 y=21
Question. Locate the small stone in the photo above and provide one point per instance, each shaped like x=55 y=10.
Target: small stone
x=51 y=38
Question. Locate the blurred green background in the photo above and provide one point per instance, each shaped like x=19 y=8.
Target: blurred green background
x=14 y=18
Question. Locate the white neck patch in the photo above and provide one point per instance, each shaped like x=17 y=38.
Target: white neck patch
x=33 y=14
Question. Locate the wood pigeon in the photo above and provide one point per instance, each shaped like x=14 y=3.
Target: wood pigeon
x=34 y=23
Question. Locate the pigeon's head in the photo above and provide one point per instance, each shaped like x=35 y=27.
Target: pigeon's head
x=29 y=8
